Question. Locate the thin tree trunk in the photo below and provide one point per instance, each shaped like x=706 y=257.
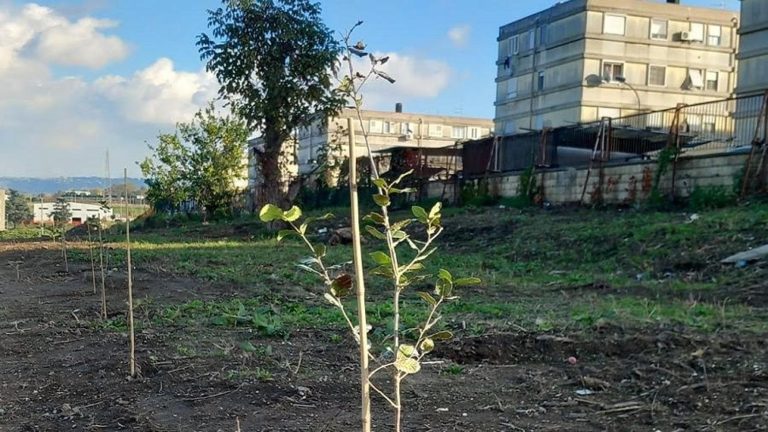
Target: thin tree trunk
x=103 y=282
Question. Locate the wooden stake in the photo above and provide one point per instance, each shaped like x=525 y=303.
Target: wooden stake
x=90 y=251
x=132 y=359
x=359 y=281
x=103 y=276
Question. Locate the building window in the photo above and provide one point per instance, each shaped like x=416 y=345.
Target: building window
x=657 y=76
x=407 y=129
x=474 y=132
x=614 y=24
x=511 y=88
x=712 y=79
x=388 y=127
x=374 y=126
x=612 y=70
x=658 y=29
x=697 y=32
x=715 y=32
x=514 y=45
x=695 y=79
x=531 y=39
x=436 y=130
x=459 y=132
x=540 y=85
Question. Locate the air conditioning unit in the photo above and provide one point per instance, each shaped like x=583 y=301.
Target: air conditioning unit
x=686 y=36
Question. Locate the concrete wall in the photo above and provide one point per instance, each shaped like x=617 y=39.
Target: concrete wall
x=2 y=210
x=622 y=184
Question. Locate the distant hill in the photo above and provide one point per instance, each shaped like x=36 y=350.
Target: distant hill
x=35 y=186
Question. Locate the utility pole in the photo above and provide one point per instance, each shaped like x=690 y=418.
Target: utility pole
x=109 y=183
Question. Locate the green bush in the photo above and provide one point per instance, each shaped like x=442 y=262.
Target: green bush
x=711 y=197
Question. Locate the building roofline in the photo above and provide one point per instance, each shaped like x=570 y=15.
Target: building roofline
x=648 y=8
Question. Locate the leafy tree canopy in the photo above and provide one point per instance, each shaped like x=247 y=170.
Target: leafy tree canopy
x=17 y=209
x=275 y=61
x=202 y=162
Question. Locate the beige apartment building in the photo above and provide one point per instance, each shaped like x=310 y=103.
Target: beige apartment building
x=753 y=48
x=386 y=130
x=581 y=60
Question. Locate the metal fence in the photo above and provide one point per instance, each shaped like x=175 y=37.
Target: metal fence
x=721 y=126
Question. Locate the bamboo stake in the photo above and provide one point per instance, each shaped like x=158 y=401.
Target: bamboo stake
x=359 y=282
x=132 y=359
x=103 y=282
x=90 y=251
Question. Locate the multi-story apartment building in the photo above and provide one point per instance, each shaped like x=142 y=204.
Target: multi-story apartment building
x=2 y=210
x=386 y=130
x=753 y=48
x=582 y=60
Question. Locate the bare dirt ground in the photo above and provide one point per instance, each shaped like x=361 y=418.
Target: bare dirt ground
x=61 y=370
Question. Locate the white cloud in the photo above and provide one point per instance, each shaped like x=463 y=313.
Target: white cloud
x=159 y=94
x=55 y=39
x=459 y=35
x=415 y=78
x=61 y=125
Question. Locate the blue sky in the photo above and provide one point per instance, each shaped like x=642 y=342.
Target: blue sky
x=140 y=71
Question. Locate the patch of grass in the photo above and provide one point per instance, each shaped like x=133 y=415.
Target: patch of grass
x=531 y=262
x=453 y=369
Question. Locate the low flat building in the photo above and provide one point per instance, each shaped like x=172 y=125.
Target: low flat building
x=81 y=212
x=386 y=130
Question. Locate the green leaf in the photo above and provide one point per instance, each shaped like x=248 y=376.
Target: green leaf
x=399 y=235
x=445 y=274
x=427 y=345
x=381 y=183
x=416 y=267
x=381 y=200
x=407 y=350
x=375 y=233
x=284 y=233
x=467 y=281
x=407 y=365
x=293 y=214
x=443 y=288
x=442 y=335
x=320 y=250
x=270 y=212
x=303 y=227
x=397 y=226
x=435 y=212
x=427 y=298
x=385 y=271
x=419 y=213
x=375 y=218
x=247 y=346
x=381 y=258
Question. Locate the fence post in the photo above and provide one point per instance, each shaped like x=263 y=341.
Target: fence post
x=674 y=147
